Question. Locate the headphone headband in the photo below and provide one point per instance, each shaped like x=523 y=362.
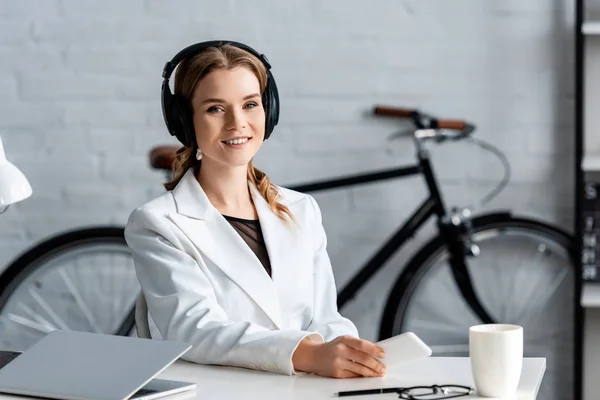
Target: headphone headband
x=198 y=47
x=178 y=114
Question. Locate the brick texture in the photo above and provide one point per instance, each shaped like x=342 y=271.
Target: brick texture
x=80 y=108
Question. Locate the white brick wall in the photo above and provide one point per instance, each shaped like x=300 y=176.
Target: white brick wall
x=80 y=107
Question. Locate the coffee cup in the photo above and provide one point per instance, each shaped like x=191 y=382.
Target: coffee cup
x=496 y=355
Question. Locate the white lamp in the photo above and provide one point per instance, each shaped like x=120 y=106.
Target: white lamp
x=14 y=187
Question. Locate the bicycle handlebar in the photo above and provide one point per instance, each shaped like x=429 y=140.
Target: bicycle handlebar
x=422 y=121
x=440 y=130
x=394 y=112
x=458 y=125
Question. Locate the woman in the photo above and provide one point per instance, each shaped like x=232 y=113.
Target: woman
x=229 y=262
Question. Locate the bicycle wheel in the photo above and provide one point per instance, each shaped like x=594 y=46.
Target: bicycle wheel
x=524 y=275
x=82 y=280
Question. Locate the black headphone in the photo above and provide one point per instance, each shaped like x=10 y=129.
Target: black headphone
x=177 y=111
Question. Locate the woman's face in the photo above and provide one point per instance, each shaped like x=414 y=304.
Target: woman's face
x=229 y=118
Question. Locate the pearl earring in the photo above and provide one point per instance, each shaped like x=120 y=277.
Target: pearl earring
x=198 y=154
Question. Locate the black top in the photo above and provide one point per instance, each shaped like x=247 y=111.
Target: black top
x=249 y=230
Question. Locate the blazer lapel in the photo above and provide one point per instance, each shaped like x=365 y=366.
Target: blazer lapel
x=220 y=243
x=282 y=240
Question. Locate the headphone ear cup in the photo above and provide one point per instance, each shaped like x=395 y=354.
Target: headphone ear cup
x=177 y=112
x=271 y=104
x=182 y=121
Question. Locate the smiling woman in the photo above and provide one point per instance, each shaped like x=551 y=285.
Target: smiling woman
x=221 y=87
x=229 y=262
x=229 y=129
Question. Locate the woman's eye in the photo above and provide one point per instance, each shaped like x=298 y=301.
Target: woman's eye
x=251 y=105
x=214 y=109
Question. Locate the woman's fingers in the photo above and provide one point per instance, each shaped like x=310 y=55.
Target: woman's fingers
x=360 y=369
x=353 y=357
x=348 y=374
x=364 y=346
x=368 y=361
x=363 y=352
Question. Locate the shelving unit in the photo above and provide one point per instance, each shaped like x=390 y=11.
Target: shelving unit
x=591 y=162
x=587 y=227
x=590 y=28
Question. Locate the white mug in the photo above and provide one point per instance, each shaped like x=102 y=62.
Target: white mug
x=496 y=353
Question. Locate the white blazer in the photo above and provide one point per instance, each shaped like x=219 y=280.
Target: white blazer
x=205 y=286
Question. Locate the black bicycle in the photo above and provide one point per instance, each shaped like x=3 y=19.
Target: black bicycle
x=493 y=267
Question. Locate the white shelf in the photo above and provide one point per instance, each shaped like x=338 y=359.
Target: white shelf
x=591 y=162
x=591 y=28
x=590 y=295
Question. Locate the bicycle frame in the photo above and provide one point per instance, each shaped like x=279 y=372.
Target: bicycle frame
x=433 y=205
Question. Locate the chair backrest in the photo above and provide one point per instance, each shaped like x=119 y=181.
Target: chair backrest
x=141 y=317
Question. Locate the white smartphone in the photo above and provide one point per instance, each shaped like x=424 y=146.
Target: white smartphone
x=402 y=349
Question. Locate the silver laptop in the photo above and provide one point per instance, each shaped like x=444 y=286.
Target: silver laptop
x=91 y=366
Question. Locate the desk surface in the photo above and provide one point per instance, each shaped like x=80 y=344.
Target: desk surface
x=222 y=383
x=241 y=384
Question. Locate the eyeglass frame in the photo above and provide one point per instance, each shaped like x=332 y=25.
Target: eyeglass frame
x=402 y=392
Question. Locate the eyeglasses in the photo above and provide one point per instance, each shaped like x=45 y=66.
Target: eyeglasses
x=434 y=392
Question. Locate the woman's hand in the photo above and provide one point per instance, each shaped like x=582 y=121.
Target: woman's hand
x=343 y=357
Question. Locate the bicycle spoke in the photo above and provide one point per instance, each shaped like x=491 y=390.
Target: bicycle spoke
x=61 y=324
x=517 y=259
x=531 y=294
x=27 y=323
x=36 y=316
x=80 y=302
x=545 y=297
x=118 y=322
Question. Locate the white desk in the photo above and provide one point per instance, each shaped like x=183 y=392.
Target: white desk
x=222 y=383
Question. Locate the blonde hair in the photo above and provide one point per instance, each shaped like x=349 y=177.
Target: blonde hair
x=189 y=72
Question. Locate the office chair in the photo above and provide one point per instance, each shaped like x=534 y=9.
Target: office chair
x=141 y=317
